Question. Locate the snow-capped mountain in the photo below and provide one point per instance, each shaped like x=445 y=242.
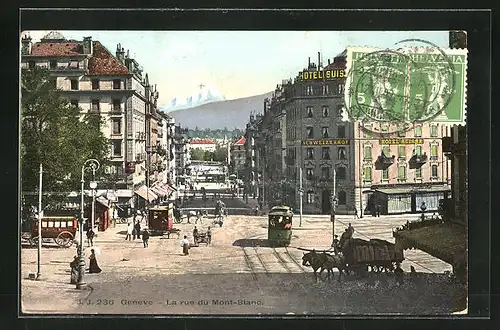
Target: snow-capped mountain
x=204 y=95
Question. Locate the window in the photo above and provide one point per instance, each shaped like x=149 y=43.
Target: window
x=339 y=110
x=31 y=64
x=368 y=152
x=117 y=148
x=74 y=84
x=367 y=133
x=325 y=173
x=341 y=173
x=53 y=64
x=401 y=173
x=342 y=197
x=309 y=112
x=385 y=174
x=95 y=84
x=310 y=132
x=117 y=126
x=116 y=105
x=434 y=152
x=418 y=131
x=309 y=90
x=310 y=174
x=325 y=132
x=401 y=132
x=401 y=151
x=341 y=153
x=325 y=112
x=434 y=131
x=341 y=132
x=368 y=174
x=117 y=83
x=325 y=153
x=95 y=105
x=418 y=150
x=340 y=88
x=74 y=103
x=309 y=153
x=325 y=89
x=418 y=173
x=310 y=197
x=434 y=171
x=387 y=151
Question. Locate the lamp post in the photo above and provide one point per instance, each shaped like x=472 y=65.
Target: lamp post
x=93 y=165
x=93 y=186
x=333 y=202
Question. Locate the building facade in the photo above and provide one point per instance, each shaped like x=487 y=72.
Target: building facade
x=238 y=157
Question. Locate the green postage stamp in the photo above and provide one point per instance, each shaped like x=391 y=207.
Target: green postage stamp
x=407 y=85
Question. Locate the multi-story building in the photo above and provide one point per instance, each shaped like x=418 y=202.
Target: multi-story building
x=238 y=157
x=251 y=165
x=203 y=144
x=93 y=79
x=182 y=156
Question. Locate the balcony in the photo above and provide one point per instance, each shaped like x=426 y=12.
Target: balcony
x=417 y=161
x=384 y=161
x=116 y=110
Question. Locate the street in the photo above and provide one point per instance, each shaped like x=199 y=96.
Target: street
x=237 y=274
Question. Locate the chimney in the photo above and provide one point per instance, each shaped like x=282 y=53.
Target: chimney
x=319 y=60
x=87 y=46
x=308 y=63
x=328 y=61
x=26 y=45
x=120 y=53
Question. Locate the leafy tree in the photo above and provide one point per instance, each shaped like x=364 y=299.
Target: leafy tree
x=197 y=154
x=57 y=135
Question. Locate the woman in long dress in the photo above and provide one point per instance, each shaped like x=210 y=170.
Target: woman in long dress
x=93 y=268
x=185 y=246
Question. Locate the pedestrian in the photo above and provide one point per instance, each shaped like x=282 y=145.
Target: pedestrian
x=90 y=237
x=138 y=229
x=398 y=274
x=256 y=210
x=74 y=270
x=195 y=235
x=145 y=237
x=185 y=245
x=335 y=244
x=356 y=213
x=93 y=268
x=350 y=229
x=209 y=235
x=130 y=228
x=378 y=207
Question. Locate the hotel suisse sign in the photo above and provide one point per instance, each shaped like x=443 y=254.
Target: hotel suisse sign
x=325 y=142
x=322 y=75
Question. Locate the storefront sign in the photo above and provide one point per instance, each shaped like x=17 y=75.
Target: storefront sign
x=325 y=142
x=324 y=74
x=401 y=141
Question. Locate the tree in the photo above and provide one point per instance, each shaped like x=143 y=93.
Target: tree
x=197 y=154
x=57 y=135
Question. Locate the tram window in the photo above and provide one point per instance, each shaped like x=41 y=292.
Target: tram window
x=69 y=224
x=44 y=224
x=57 y=224
x=50 y=224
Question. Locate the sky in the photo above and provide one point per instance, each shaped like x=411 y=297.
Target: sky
x=235 y=63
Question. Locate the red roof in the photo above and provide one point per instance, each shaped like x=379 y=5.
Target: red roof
x=103 y=62
x=57 y=49
x=241 y=141
x=202 y=141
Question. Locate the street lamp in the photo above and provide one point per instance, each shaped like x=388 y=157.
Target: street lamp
x=93 y=186
x=90 y=164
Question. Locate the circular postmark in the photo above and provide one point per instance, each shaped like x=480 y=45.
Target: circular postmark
x=398 y=88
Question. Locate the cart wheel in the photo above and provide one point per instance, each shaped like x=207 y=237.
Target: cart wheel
x=34 y=240
x=123 y=220
x=64 y=239
x=177 y=220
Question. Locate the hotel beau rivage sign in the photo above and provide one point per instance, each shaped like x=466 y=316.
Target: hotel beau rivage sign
x=326 y=142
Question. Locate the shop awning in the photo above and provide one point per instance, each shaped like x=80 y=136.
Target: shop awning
x=103 y=201
x=443 y=241
x=158 y=191
x=410 y=190
x=144 y=192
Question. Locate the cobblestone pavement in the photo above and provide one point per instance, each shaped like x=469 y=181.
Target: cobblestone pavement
x=236 y=274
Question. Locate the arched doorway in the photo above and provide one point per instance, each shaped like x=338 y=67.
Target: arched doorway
x=342 y=197
x=325 y=202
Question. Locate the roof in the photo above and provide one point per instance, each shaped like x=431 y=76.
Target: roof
x=57 y=49
x=53 y=35
x=409 y=190
x=103 y=62
x=202 y=141
x=241 y=141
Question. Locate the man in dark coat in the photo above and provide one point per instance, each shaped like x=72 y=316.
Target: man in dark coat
x=145 y=238
x=138 y=229
x=74 y=270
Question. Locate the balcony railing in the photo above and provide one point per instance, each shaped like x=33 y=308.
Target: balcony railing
x=418 y=160
x=384 y=160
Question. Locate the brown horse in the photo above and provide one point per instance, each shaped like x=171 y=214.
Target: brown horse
x=323 y=261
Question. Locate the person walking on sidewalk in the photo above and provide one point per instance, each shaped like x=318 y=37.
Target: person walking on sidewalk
x=130 y=228
x=138 y=229
x=90 y=237
x=185 y=245
x=94 y=267
x=145 y=238
x=256 y=210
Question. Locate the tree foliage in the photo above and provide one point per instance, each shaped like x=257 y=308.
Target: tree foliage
x=197 y=154
x=57 y=135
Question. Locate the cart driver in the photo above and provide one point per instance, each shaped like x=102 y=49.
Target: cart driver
x=335 y=244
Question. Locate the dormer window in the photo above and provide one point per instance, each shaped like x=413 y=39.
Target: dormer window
x=117 y=84
x=53 y=64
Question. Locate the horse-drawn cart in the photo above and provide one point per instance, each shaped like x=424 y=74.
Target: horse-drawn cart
x=160 y=220
x=58 y=229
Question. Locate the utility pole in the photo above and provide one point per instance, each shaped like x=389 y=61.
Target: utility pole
x=40 y=216
x=301 y=193
x=333 y=201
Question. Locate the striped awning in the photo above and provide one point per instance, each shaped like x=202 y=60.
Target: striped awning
x=144 y=192
x=158 y=191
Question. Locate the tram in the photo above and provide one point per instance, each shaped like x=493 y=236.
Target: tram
x=279 y=230
x=60 y=229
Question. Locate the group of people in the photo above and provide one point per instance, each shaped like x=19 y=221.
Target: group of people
x=134 y=232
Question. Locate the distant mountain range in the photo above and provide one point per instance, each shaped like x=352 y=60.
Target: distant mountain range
x=229 y=113
x=202 y=96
